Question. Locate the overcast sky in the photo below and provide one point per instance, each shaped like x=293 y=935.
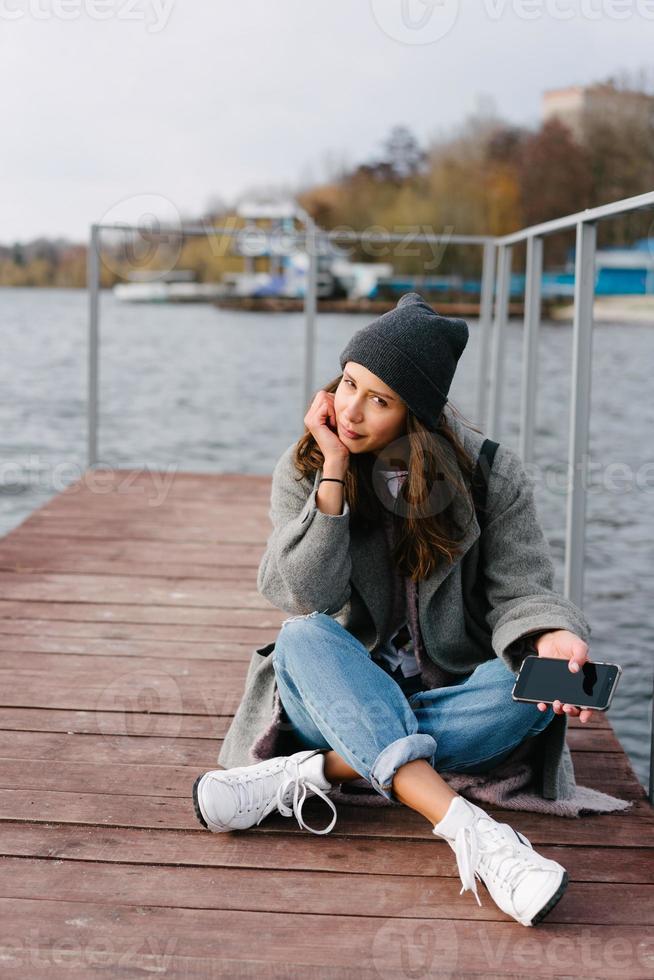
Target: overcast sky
x=111 y=107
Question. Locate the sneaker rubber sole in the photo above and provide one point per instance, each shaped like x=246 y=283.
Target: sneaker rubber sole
x=547 y=908
x=196 y=802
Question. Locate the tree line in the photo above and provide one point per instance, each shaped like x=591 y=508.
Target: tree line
x=487 y=176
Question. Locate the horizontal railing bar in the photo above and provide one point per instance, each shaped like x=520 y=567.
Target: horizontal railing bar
x=299 y=237
x=640 y=201
x=372 y=236
x=572 y=220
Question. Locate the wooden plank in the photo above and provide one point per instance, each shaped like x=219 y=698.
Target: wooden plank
x=159 y=779
x=165 y=688
x=165 y=626
x=131 y=691
x=71 y=619
x=315 y=892
x=208 y=727
x=104 y=748
x=30 y=545
x=144 y=650
x=137 y=723
x=229 y=529
x=633 y=829
x=222 y=561
x=155 y=501
x=101 y=669
x=258 y=849
x=152 y=590
x=133 y=614
x=233 y=575
x=267 y=939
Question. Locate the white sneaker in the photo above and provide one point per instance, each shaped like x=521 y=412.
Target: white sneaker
x=522 y=883
x=238 y=798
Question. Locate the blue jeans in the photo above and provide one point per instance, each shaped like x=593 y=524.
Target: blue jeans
x=337 y=697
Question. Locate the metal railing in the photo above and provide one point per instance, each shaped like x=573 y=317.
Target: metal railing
x=585 y=225
x=312 y=238
x=495 y=287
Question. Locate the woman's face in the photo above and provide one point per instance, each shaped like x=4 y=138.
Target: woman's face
x=364 y=404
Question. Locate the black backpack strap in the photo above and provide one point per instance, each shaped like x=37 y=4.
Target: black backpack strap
x=480 y=478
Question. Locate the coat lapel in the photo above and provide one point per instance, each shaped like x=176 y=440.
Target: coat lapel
x=371 y=576
x=427 y=587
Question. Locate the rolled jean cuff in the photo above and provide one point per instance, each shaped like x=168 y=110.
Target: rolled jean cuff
x=399 y=752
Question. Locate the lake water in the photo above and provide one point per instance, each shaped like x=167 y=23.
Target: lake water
x=206 y=390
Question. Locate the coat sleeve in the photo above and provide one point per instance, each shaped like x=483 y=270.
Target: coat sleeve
x=306 y=565
x=518 y=567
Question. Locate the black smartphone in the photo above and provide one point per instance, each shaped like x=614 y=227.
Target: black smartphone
x=549 y=679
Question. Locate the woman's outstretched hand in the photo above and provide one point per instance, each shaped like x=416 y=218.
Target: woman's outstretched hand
x=565 y=645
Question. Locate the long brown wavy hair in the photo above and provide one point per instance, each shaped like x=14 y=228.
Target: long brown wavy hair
x=421 y=539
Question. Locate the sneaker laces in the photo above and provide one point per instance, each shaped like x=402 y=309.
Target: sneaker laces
x=250 y=795
x=496 y=848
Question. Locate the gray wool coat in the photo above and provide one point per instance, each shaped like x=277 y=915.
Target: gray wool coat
x=312 y=562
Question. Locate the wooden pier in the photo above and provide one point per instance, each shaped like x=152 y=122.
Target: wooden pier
x=128 y=612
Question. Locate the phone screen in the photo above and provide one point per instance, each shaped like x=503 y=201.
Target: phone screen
x=549 y=679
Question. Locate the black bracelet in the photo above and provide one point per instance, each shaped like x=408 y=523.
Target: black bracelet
x=333 y=478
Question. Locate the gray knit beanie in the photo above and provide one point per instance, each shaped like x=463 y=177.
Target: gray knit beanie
x=414 y=351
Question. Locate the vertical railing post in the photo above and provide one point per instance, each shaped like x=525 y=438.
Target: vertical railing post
x=485 y=323
x=93 y=285
x=533 y=286
x=310 y=311
x=499 y=330
x=582 y=340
